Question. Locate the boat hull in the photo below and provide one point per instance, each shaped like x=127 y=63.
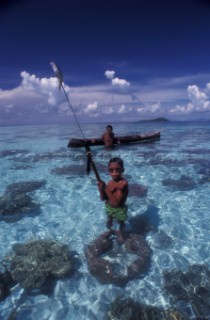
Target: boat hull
x=136 y=138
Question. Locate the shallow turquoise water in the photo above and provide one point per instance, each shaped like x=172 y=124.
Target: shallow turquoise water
x=72 y=212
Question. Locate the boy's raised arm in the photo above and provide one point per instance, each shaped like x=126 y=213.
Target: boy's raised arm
x=101 y=188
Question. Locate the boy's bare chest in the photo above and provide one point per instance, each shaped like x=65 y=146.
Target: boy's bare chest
x=108 y=136
x=116 y=186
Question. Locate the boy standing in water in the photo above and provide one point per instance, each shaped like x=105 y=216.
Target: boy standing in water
x=115 y=194
x=108 y=136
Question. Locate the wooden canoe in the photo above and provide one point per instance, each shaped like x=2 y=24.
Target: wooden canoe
x=135 y=138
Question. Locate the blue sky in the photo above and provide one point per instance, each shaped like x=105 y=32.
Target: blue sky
x=121 y=60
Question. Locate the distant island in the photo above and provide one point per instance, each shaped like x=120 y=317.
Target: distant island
x=154 y=120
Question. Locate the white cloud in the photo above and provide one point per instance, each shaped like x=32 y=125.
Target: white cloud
x=46 y=87
x=117 y=82
x=208 y=87
x=120 y=82
x=64 y=109
x=8 y=108
x=122 y=109
x=39 y=98
x=108 y=110
x=199 y=102
x=32 y=99
x=92 y=107
x=154 y=107
x=150 y=108
x=109 y=74
x=140 y=109
x=197 y=97
x=182 y=110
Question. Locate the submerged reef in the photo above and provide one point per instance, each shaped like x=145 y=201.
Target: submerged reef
x=162 y=240
x=72 y=170
x=25 y=186
x=16 y=201
x=76 y=170
x=185 y=183
x=13 y=152
x=13 y=206
x=123 y=308
x=6 y=282
x=137 y=190
x=204 y=170
x=112 y=261
x=35 y=262
x=25 y=156
x=191 y=288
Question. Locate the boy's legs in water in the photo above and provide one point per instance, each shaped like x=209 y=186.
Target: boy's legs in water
x=122 y=235
x=122 y=226
x=109 y=223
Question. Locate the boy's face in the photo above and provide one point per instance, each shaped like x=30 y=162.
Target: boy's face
x=109 y=130
x=115 y=171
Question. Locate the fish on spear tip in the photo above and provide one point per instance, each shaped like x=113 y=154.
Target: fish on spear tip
x=58 y=74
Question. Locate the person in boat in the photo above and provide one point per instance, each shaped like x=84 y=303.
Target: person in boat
x=115 y=194
x=108 y=136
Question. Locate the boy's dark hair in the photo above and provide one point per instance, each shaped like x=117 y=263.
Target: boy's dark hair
x=109 y=127
x=117 y=160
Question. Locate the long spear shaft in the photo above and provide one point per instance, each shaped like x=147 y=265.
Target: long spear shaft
x=90 y=160
x=72 y=111
x=59 y=76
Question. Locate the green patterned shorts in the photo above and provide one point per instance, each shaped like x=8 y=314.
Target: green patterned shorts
x=119 y=214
